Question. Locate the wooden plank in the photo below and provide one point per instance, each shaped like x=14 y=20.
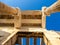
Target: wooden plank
x=27 y=41
x=45 y=40
x=9 y=37
x=30 y=34
x=9 y=42
x=6 y=20
x=19 y=40
x=4 y=13
x=17 y=19
x=31 y=16
x=58 y=32
x=53 y=38
x=31 y=21
x=3 y=36
x=13 y=39
x=31 y=12
x=7 y=9
x=35 y=41
x=43 y=18
x=33 y=29
x=53 y=8
x=30 y=25
x=5 y=44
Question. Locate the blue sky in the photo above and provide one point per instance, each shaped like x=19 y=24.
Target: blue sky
x=52 y=22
